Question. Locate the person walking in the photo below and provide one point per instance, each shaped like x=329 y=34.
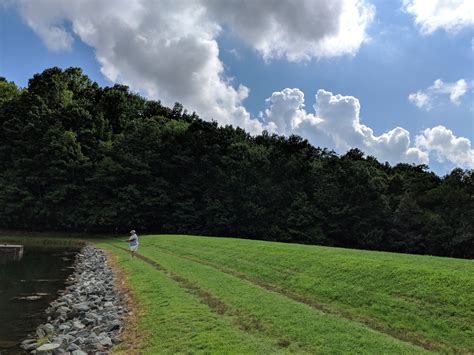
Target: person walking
x=133 y=242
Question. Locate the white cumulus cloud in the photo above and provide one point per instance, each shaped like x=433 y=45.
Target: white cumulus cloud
x=420 y=99
x=168 y=48
x=424 y=98
x=297 y=30
x=446 y=146
x=449 y=15
x=336 y=124
x=454 y=90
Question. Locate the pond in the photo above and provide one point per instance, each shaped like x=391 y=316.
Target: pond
x=27 y=286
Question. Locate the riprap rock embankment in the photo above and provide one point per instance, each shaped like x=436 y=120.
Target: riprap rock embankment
x=86 y=318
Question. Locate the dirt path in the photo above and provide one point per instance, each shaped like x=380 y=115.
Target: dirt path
x=131 y=337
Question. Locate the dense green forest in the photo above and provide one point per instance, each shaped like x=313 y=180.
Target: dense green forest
x=78 y=157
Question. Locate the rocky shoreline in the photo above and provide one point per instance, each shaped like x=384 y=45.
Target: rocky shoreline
x=86 y=318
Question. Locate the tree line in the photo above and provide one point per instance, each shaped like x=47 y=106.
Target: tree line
x=75 y=156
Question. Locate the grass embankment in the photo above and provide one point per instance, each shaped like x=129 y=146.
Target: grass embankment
x=241 y=296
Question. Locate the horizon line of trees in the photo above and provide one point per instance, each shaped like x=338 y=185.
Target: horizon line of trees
x=78 y=157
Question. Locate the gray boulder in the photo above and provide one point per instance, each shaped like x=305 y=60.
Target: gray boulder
x=48 y=347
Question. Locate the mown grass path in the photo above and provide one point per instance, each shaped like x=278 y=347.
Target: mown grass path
x=173 y=320
x=260 y=297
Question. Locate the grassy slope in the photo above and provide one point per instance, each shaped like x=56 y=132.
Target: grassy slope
x=426 y=300
x=175 y=321
x=272 y=294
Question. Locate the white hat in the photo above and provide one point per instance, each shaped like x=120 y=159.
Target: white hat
x=132 y=231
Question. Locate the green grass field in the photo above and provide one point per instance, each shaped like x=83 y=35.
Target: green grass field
x=218 y=295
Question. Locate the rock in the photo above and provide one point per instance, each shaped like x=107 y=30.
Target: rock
x=73 y=347
x=64 y=327
x=28 y=344
x=99 y=329
x=89 y=321
x=78 y=352
x=48 y=328
x=81 y=307
x=78 y=341
x=107 y=342
x=113 y=326
x=78 y=325
x=63 y=310
x=63 y=320
x=40 y=333
x=83 y=333
x=92 y=339
x=48 y=347
x=62 y=340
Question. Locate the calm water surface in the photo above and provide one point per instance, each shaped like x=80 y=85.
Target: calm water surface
x=41 y=273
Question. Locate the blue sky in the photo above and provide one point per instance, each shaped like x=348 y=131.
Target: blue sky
x=397 y=56
x=23 y=54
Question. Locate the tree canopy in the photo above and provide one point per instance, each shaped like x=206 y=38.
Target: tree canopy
x=78 y=157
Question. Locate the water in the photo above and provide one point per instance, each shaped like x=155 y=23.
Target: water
x=40 y=273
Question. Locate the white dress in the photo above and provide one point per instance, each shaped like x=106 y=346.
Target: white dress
x=133 y=242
